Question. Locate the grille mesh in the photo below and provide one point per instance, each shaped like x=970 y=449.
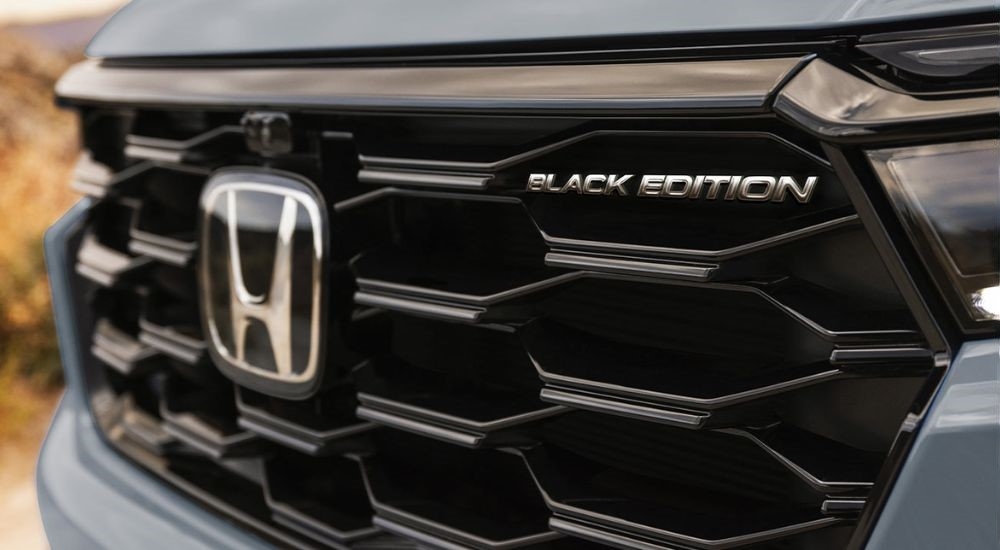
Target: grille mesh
x=509 y=370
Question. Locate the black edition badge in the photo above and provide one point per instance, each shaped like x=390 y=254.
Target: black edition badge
x=673 y=186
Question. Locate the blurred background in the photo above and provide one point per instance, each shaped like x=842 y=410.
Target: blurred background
x=39 y=39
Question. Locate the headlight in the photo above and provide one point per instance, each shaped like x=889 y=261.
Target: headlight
x=948 y=196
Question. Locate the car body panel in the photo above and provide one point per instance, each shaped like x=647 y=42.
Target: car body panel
x=92 y=497
x=152 y=28
x=88 y=494
x=948 y=493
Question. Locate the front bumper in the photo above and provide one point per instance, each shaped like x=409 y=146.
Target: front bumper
x=946 y=495
x=91 y=497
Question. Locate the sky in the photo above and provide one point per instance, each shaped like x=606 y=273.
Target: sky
x=13 y=12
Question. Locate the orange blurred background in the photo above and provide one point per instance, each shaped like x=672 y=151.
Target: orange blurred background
x=39 y=39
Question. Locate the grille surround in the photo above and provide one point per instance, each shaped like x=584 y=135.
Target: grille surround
x=355 y=442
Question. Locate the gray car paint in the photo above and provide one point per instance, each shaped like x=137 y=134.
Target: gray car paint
x=948 y=492
x=218 y=27
x=88 y=495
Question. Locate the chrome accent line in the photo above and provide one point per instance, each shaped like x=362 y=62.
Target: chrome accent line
x=831 y=102
x=266 y=432
x=734 y=84
x=274 y=428
x=105 y=265
x=585 y=247
x=187 y=429
x=565 y=244
x=172 y=150
x=144 y=428
x=91 y=177
x=420 y=537
x=171 y=342
x=451 y=181
x=419 y=308
x=143 y=152
x=397 y=517
x=623 y=266
x=524 y=156
x=437 y=543
x=881 y=355
x=843 y=505
x=118 y=349
x=570 y=526
x=619 y=393
x=720 y=254
x=623 y=408
x=256 y=417
x=292 y=518
x=441 y=433
x=364 y=199
x=406 y=291
x=419 y=414
x=802 y=473
x=179 y=254
x=598 y=535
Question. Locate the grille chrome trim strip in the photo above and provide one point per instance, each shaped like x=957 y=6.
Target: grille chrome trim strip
x=729 y=84
x=629 y=267
x=390 y=517
x=420 y=308
x=401 y=289
x=722 y=254
x=437 y=432
x=408 y=532
x=570 y=526
x=450 y=181
x=623 y=408
x=803 y=474
x=370 y=401
x=608 y=391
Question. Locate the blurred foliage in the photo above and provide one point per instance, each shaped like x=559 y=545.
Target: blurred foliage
x=38 y=146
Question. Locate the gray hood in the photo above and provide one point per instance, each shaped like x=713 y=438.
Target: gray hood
x=157 y=28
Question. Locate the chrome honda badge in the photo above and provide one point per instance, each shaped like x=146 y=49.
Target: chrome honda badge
x=264 y=241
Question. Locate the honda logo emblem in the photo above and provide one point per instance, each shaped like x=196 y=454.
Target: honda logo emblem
x=263 y=247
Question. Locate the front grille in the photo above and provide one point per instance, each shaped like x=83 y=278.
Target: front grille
x=507 y=369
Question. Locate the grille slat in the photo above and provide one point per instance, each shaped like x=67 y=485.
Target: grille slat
x=203 y=418
x=835 y=468
x=315 y=428
x=481 y=499
x=700 y=489
x=320 y=498
x=120 y=351
x=475 y=387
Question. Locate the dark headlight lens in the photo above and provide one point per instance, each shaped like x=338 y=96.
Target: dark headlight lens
x=949 y=197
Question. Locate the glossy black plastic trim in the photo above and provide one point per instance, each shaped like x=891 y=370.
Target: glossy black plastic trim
x=831 y=102
x=734 y=85
x=291 y=434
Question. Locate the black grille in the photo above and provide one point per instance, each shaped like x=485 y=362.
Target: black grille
x=508 y=369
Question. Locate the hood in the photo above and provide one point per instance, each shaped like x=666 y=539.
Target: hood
x=171 y=28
